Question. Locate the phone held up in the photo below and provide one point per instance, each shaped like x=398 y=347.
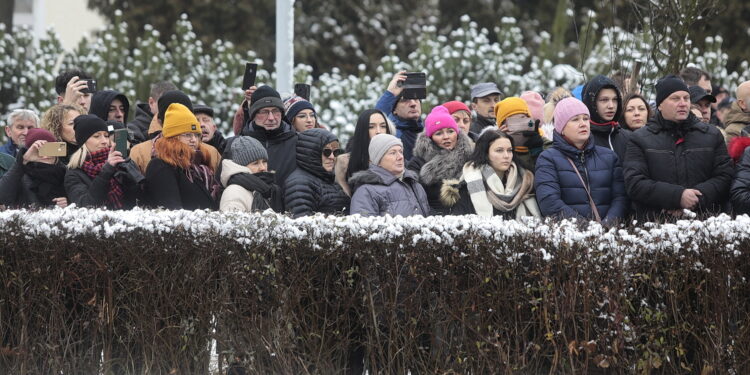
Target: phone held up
x=121 y=142
x=90 y=86
x=53 y=149
x=302 y=90
x=251 y=70
x=415 y=86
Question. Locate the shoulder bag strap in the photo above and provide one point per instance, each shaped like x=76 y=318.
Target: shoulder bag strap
x=585 y=187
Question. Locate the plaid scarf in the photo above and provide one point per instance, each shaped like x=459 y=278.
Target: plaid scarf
x=487 y=191
x=93 y=166
x=200 y=172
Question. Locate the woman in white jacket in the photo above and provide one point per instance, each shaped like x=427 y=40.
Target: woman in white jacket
x=249 y=186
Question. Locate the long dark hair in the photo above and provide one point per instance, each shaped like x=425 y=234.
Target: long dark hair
x=359 y=157
x=480 y=156
x=650 y=111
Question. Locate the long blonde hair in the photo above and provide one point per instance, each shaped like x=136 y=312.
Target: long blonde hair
x=78 y=157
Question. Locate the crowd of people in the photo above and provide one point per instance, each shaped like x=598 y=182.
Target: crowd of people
x=601 y=151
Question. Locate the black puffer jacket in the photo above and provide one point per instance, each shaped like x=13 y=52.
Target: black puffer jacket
x=139 y=126
x=310 y=188
x=85 y=191
x=32 y=184
x=280 y=144
x=102 y=99
x=664 y=158
x=607 y=134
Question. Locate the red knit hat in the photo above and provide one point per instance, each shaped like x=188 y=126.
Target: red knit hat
x=456 y=106
x=37 y=134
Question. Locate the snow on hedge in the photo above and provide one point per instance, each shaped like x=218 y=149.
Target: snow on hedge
x=268 y=228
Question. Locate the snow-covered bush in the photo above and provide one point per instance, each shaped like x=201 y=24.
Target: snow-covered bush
x=459 y=295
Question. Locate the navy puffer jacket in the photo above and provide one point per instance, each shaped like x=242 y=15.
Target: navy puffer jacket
x=310 y=188
x=559 y=191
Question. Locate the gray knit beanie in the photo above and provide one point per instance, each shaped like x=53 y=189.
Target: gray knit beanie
x=246 y=150
x=379 y=145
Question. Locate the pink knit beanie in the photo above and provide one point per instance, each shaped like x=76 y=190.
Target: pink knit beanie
x=567 y=109
x=535 y=103
x=438 y=119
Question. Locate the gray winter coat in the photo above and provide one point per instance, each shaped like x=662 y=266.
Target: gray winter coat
x=378 y=192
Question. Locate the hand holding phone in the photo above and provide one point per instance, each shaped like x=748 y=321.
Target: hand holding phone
x=415 y=85
x=121 y=142
x=518 y=125
x=53 y=149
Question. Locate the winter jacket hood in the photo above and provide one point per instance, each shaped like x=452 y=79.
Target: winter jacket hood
x=591 y=90
x=101 y=101
x=310 y=144
x=229 y=169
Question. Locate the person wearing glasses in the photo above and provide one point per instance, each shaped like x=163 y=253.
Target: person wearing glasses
x=311 y=187
x=301 y=114
x=266 y=123
x=181 y=175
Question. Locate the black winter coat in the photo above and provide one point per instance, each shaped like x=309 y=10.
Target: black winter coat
x=281 y=144
x=33 y=184
x=218 y=142
x=85 y=191
x=310 y=188
x=168 y=186
x=139 y=126
x=606 y=134
x=740 y=190
x=664 y=158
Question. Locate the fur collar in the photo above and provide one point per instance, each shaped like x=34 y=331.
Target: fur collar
x=441 y=164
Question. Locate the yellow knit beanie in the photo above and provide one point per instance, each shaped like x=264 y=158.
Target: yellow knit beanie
x=509 y=107
x=179 y=120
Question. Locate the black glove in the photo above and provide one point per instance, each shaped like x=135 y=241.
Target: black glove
x=415 y=164
x=261 y=182
x=128 y=171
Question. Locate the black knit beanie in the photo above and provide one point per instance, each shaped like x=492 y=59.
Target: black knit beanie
x=169 y=97
x=85 y=126
x=264 y=97
x=668 y=85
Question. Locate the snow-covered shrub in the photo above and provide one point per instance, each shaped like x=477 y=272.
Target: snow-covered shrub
x=459 y=295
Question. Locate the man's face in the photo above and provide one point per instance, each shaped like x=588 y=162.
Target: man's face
x=208 y=127
x=268 y=118
x=408 y=109
x=676 y=107
x=17 y=131
x=705 y=84
x=485 y=106
x=85 y=101
x=705 y=106
x=116 y=111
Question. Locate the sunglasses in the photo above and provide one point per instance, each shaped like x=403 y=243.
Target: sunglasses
x=327 y=152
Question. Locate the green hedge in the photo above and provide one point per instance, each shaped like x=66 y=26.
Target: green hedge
x=147 y=291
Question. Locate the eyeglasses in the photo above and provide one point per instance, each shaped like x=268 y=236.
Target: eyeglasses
x=305 y=115
x=275 y=112
x=327 y=152
x=191 y=135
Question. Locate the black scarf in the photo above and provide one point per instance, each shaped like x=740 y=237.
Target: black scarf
x=47 y=180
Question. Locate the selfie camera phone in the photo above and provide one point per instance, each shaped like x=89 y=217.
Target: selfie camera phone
x=302 y=90
x=251 y=69
x=121 y=142
x=415 y=86
x=53 y=149
x=516 y=126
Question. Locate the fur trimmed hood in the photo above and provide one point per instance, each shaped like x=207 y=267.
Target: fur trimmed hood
x=441 y=164
x=450 y=192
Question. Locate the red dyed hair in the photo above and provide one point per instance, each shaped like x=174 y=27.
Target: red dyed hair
x=178 y=154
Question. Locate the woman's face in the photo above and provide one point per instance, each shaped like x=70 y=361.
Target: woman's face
x=577 y=130
x=445 y=138
x=393 y=160
x=67 y=133
x=377 y=125
x=463 y=120
x=636 y=113
x=500 y=154
x=330 y=152
x=98 y=141
x=260 y=165
x=304 y=120
x=191 y=139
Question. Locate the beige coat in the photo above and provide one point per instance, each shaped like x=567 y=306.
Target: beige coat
x=734 y=122
x=235 y=197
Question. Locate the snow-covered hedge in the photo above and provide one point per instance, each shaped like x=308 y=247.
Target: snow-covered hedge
x=151 y=289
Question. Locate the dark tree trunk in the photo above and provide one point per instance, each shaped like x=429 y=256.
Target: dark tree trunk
x=6 y=14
